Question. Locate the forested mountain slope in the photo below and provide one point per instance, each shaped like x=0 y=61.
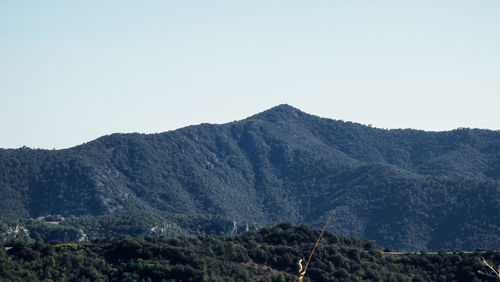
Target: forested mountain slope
x=409 y=189
x=271 y=254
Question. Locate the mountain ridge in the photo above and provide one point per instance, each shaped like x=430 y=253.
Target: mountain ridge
x=278 y=165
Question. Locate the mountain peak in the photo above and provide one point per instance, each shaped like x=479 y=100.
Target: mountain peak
x=280 y=112
x=285 y=108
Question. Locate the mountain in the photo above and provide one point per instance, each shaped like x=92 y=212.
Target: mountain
x=411 y=189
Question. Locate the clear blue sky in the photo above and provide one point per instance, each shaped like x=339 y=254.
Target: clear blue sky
x=71 y=71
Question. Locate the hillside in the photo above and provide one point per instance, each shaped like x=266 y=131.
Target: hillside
x=268 y=255
x=410 y=189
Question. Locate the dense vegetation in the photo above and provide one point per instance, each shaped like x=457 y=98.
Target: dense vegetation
x=410 y=189
x=132 y=223
x=268 y=255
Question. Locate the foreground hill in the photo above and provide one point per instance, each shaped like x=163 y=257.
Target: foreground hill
x=409 y=189
x=268 y=255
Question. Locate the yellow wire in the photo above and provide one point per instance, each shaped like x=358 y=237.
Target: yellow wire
x=302 y=272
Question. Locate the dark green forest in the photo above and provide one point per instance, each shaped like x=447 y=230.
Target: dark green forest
x=410 y=189
x=271 y=254
x=131 y=223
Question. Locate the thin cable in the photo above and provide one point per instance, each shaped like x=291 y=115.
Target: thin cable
x=302 y=272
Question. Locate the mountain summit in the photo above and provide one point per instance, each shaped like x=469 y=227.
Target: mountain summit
x=410 y=189
x=280 y=112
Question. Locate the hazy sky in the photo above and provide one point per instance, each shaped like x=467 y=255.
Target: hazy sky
x=71 y=71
